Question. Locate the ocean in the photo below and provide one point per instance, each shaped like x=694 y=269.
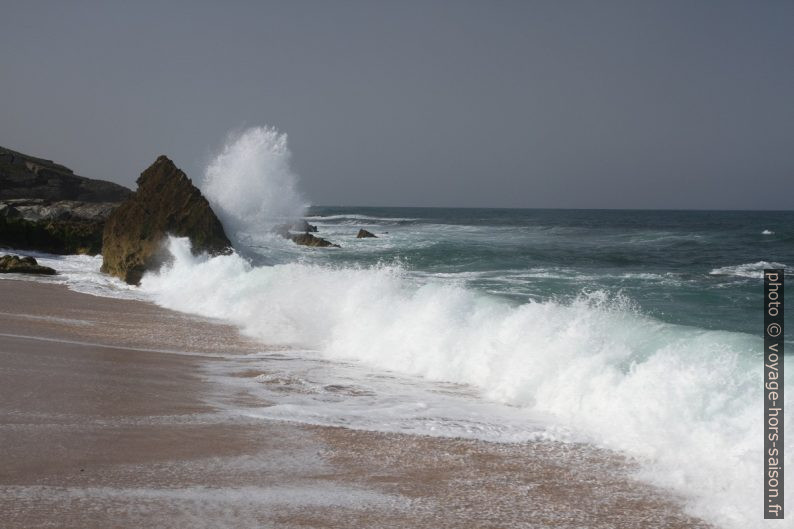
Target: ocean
x=638 y=331
x=634 y=331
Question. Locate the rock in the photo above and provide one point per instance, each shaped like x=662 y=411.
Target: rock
x=14 y=264
x=24 y=176
x=166 y=203
x=52 y=236
x=304 y=227
x=38 y=209
x=61 y=227
x=363 y=234
x=307 y=239
x=44 y=206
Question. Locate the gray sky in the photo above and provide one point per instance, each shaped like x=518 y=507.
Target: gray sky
x=670 y=104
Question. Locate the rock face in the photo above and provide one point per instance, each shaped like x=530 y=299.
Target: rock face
x=44 y=206
x=363 y=234
x=13 y=264
x=166 y=203
x=62 y=227
x=24 y=176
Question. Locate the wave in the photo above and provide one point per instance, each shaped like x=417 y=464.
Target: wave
x=357 y=219
x=682 y=400
x=751 y=270
x=251 y=186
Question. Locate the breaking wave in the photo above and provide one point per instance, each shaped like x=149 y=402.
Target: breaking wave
x=683 y=400
x=251 y=186
x=750 y=270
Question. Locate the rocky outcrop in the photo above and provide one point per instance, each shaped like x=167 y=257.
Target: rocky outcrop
x=364 y=234
x=304 y=226
x=24 y=176
x=307 y=239
x=61 y=227
x=166 y=203
x=37 y=209
x=14 y=264
x=44 y=206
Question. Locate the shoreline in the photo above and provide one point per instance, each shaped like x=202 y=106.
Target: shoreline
x=107 y=419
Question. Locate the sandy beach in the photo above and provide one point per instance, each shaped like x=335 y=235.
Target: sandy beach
x=108 y=419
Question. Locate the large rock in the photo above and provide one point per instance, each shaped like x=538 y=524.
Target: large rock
x=45 y=207
x=62 y=227
x=166 y=203
x=14 y=264
x=24 y=176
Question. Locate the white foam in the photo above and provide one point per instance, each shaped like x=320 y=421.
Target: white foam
x=683 y=400
x=250 y=184
x=767 y=232
x=750 y=270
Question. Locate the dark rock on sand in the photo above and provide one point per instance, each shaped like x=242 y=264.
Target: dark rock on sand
x=14 y=264
x=166 y=203
x=24 y=176
x=364 y=234
x=61 y=227
x=44 y=206
x=307 y=239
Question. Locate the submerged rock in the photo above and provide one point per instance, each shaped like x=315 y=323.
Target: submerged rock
x=307 y=239
x=166 y=203
x=14 y=264
x=364 y=234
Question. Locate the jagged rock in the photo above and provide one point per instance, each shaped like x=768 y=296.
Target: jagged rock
x=14 y=264
x=62 y=227
x=24 y=176
x=38 y=209
x=166 y=203
x=52 y=236
x=363 y=234
x=307 y=239
x=46 y=207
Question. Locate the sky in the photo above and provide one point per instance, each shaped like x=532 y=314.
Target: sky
x=558 y=104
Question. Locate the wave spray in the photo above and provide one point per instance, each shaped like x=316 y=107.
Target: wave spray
x=251 y=185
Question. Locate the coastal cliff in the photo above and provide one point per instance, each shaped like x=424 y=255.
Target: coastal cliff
x=45 y=207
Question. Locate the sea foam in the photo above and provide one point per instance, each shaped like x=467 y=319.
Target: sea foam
x=251 y=186
x=682 y=400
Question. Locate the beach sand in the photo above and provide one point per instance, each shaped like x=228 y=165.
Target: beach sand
x=108 y=419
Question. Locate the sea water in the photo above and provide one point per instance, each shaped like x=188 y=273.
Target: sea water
x=638 y=331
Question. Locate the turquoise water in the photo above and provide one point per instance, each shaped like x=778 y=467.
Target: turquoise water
x=699 y=268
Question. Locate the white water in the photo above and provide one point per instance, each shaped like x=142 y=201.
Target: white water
x=749 y=270
x=683 y=400
x=251 y=185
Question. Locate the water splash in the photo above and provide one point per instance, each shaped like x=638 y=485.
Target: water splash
x=251 y=185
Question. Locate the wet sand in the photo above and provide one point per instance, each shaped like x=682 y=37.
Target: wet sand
x=107 y=419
